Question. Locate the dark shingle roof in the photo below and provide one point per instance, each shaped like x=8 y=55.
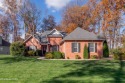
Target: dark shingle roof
x=46 y=33
x=81 y=34
x=42 y=38
x=4 y=42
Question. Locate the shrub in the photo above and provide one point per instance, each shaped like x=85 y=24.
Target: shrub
x=118 y=54
x=94 y=57
x=17 y=49
x=31 y=53
x=63 y=55
x=105 y=49
x=57 y=55
x=49 y=55
x=77 y=57
x=38 y=52
x=68 y=58
x=86 y=53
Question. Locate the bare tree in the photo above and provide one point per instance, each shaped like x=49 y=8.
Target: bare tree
x=48 y=23
x=31 y=17
x=5 y=27
x=12 y=9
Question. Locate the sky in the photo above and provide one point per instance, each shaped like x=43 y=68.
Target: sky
x=51 y=7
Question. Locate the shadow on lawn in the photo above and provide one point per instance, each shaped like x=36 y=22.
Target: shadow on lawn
x=11 y=59
x=105 y=71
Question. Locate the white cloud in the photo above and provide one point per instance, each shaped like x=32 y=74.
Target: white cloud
x=57 y=4
x=53 y=11
x=1 y=3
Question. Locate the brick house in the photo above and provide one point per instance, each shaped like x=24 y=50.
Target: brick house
x=70 y=44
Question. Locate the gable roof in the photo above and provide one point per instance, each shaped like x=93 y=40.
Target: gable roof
x=3 y=42
x=42 y=37
x=81 y=34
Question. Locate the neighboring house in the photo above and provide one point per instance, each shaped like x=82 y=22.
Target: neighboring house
x=4 y=46
x=70 y=44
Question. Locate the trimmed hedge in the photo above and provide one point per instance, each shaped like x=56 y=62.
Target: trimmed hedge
x=31 y=53
x=54 y=55
x=17 y=49
x=57 y=55
x=86 y=52
x=105 y=49
x=49 y=55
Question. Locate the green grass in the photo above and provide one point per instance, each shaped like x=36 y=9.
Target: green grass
x=31 y=70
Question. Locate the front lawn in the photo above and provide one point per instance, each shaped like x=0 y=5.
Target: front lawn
x=31 y=70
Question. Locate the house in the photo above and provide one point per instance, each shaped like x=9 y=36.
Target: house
x=4 y=46
x=70 y=44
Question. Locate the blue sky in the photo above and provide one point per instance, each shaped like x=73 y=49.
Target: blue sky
x=41 y=4
x=52 y=7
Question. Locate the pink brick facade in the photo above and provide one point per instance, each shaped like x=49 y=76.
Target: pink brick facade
x=55 y=40
x=65 y=45
x=33 y=42
x=67 y=49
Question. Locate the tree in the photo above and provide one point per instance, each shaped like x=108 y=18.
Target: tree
x=12 y=9
x=71 y=27
x=17 y=49
x=105 y=49
x=98 y=16
x=85 y=16
x=48 y=23
x=31 y=16
x=5 y=27
x=86 y=52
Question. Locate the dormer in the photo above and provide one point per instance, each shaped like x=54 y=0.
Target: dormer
x=55 y=33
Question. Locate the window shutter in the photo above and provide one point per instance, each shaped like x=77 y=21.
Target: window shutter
x=72 y=47
x=95 y=47
x=78 y=47
x=88 y=47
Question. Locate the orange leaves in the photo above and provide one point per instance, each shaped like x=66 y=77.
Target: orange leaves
x=95 y=14
x=71 y=27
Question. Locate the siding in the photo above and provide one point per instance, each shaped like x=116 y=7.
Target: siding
x=4 y=50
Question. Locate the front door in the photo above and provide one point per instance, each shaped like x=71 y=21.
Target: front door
x=44 y=48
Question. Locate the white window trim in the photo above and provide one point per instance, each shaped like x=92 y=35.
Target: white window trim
x=77 y=47
x=92 y=47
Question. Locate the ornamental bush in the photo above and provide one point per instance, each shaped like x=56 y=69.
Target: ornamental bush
x=17 y=49
x=94 y=57
x=31 y=53
x=86 y=52
x=49 y=55
x=77 y=57
x=119 y=54
x=57 y=55
x=105 y=49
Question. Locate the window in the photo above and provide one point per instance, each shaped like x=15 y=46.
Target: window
x=55 y=48
x=75 y=47
x=32 y=47
x=92 y=47
x=1 y=48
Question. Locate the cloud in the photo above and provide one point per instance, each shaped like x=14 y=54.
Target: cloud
x=53 y=11
x=1 y=3
x=56 y=4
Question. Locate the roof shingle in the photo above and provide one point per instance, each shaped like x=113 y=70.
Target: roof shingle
x=81 y=34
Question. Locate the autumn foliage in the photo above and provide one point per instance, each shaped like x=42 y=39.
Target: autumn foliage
x=98 y=16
